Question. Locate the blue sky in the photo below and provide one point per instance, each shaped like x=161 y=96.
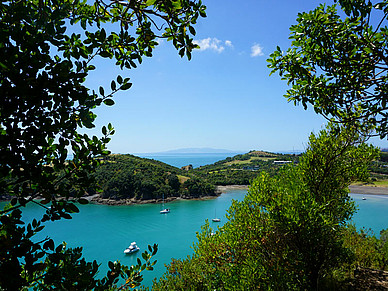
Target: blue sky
x=222 y=98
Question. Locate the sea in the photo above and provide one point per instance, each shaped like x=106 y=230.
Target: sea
x=105 y=231
x=184 y=159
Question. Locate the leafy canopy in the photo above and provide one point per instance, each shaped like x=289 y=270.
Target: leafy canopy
x=339 y=64
x=43 y=68
x=287 y=233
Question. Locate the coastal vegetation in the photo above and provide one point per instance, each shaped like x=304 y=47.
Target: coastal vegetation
x=289 y=229
x=129 y=177
x=48 y=49
x=337 y=63
x=242 y=169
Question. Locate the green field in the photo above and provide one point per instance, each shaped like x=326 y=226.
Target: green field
x=238 y=162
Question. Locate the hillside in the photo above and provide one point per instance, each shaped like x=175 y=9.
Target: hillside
x=129 y=177
x=241 y=169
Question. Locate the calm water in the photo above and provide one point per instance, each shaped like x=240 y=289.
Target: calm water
x=196 y=160
x=372 y=212
x=105 y=231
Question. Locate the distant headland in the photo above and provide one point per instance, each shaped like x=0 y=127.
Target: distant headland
x=205 y=150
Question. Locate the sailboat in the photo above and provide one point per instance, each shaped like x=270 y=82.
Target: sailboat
x=215 y=219
x=165 y=210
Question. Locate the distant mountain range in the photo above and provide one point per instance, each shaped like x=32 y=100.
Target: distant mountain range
x=199 y=151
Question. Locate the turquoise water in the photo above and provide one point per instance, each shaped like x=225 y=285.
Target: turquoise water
x=372 y=213
x=196 y=160
x=105 y=231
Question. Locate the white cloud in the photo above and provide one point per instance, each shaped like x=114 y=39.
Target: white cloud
x=210 y=44
x=228 y=43
x=256 y=50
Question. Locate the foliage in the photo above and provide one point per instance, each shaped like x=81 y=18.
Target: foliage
x=127 y=177
x=287 y=234
x=45 y=103
x=242 y=169
x=338 y=64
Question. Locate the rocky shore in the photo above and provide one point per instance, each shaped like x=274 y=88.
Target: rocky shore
x=354 y=189
x=108 y=201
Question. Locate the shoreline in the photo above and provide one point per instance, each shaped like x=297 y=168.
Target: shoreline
x=354 y=189
x=368 y=190
x=225 y=188
x=112 y=202
x=107 y=201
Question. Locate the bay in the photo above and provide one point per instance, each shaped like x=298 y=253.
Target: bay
x=184 y=159
x=105 y=231
x=372 y=213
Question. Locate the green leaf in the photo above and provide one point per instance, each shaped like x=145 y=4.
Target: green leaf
x=113 y=85
x=83 y=201
x=119 y=79
x=59 y=248
x=39 y=228
x=102 y=35
x=109 y=102
x=126 y=86
x=49 y=245
x=101 y=89
x=105 y=54
x=192 y=30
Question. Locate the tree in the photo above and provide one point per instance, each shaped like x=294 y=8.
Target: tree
x=287 y=233
x=339 y=64
x=45 y=103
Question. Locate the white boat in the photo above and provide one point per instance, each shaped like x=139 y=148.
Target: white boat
x=216 y=219
x=363 y=198
x=165 y=210
x=131 y=249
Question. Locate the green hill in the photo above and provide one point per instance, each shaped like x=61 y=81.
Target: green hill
x=241 y=169
x=130 y=177
x=140 y=179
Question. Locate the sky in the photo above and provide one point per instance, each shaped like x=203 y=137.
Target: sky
x=223 y=98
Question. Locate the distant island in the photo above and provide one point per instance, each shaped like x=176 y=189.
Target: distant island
x=205 y=150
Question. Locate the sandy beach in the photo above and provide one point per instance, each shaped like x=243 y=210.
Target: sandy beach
x=223 y=189
x=370 y=190
x=354 y=189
